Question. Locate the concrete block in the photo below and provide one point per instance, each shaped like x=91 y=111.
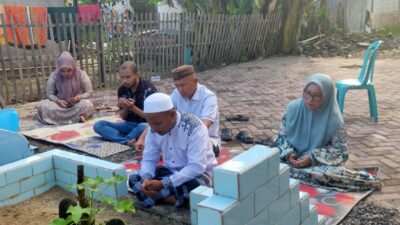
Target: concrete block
x=284 y=175
x=274 y=162
x=104 y=172
x=9 y=190
x=65 y=164
x=219 y=210
x=18 y=174
x=304 y=205
x=108 y=191
x=244 y=173
x=193 y=217
x=50 y=176
x=65 y=186
x=90 y=171
x=312 y=218
x=266 y=194
x=121 y=188
x=42 y=166
x=261 y=219
x=33 y=182
x=44 y=188
x=279 y=208
x=3 y=181
x=198 y=195
x=65 y=177
x=20 y=198
x=294 y=192
x=293 y=217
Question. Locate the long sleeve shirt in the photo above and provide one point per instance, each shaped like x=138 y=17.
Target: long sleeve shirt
x=51 y=90
x=204 y=105
x=333 y=154
x=186 y=149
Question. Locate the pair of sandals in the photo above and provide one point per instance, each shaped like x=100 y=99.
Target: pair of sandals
x=245 y=137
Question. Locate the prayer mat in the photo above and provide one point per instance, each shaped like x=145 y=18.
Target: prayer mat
x=335 y=205
x=224 y=155
x=79 y=136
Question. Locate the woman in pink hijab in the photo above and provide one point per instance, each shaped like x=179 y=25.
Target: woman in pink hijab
x=67 y=91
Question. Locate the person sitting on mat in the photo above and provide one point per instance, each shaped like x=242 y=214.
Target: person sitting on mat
x=192 y=97
x=312 y=140
x=131 y=95
x=189 y=160
x=68 y=89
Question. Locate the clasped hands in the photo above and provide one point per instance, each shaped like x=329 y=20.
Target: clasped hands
x=301 y=162
x=69 y=102
x=151 y=187
x=126 y=103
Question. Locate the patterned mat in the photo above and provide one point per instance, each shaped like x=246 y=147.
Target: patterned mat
x=332 y=204
x=80 y=136
x=335 y=205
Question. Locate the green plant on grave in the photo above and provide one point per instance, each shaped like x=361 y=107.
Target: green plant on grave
x=79 y=215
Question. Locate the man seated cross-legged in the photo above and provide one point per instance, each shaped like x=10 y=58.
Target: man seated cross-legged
x=187 y=152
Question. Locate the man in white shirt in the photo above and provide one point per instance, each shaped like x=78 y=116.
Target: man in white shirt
x=187 y=152
x=192 y=97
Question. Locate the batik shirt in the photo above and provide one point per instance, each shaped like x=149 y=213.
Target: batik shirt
x=204 y=105
x=333 y=154
x=144 y=89
x=186 y=149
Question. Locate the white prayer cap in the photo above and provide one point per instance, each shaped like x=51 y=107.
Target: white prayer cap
x=157 y=102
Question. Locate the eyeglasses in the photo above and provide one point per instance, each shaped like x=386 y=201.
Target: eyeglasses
x=309 y=96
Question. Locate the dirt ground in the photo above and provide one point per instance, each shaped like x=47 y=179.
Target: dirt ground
x=42 y=209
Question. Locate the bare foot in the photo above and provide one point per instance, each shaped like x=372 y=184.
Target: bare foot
x=83 y=118
x=171 y=200
x=131 y=143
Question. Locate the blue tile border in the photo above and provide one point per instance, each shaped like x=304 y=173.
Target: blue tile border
x=28 y=177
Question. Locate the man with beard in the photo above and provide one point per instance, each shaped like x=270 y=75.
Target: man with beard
x=131 y=96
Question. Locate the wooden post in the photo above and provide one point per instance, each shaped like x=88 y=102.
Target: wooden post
x=81 y=195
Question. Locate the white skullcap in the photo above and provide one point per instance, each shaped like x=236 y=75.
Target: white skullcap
x=157 y=102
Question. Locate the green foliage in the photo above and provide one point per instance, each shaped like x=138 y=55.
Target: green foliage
x=315 y=20
x=91 y=186
x=243 y=58
x=390 y=31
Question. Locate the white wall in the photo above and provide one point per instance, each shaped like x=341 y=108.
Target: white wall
x=163 y=9
x=385 y=13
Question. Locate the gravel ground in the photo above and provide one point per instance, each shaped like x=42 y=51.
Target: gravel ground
x=367 y=213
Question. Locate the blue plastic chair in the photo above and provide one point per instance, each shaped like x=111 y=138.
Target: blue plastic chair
x=9 y=120
x=364 y=81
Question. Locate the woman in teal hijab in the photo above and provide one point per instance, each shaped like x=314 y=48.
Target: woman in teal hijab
x=312 y=140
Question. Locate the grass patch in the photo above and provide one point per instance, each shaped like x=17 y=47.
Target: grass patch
x=393 y=30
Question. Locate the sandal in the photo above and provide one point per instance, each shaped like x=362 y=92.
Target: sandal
x=237 y=118
x=267 y=142
x=226 y=134
x=245 y=137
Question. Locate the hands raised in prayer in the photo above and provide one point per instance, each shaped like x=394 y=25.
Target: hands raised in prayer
x=151 y=187
x=302 y=162
x=126 y=103
x=69 y=102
